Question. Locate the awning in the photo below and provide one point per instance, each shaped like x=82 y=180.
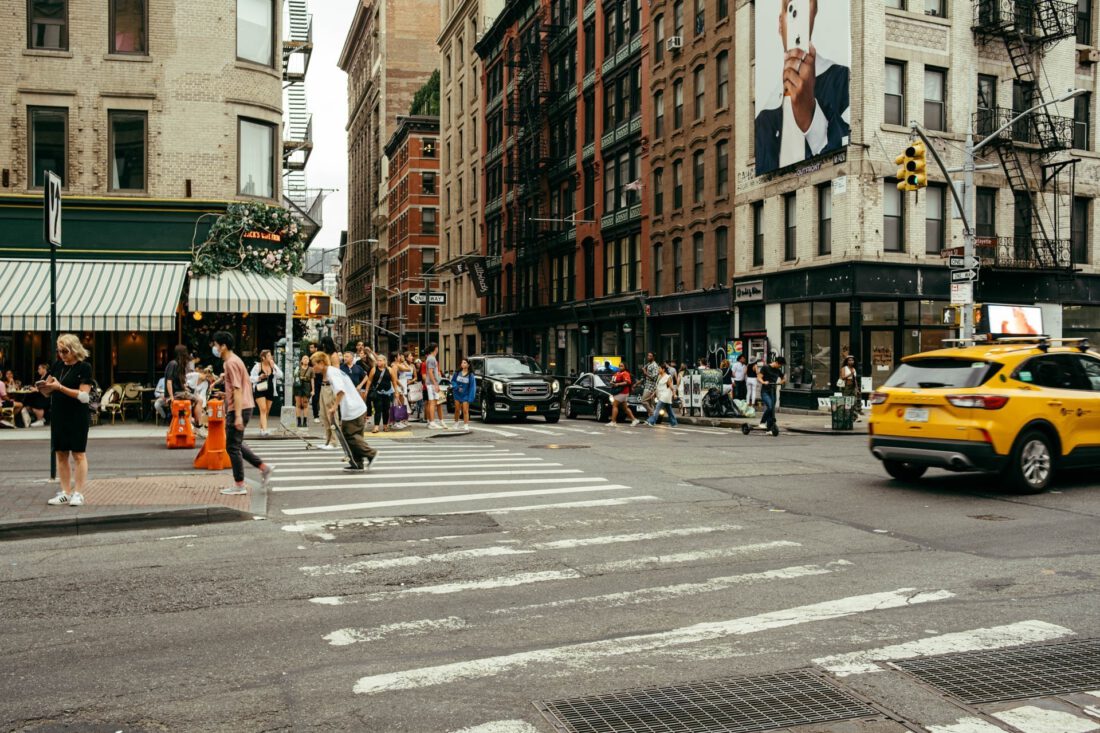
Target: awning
x=91 y=296
x=234 y=291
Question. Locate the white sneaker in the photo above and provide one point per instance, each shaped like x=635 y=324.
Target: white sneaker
x=6 y=424
x=635 y=422
x=432 y=426
x=266 y=472
x=316 y=420
x=234 y=491
x=27 y=419
x=326 y=446
x=38 y=424
x=60 y=500
x=77 y=499
x=442 y=426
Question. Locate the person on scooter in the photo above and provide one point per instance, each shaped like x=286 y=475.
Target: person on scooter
x=770 y=377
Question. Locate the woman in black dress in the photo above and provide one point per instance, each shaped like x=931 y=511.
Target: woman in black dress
x=69 y=389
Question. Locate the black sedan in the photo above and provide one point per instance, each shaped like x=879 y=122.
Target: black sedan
x=590 y=394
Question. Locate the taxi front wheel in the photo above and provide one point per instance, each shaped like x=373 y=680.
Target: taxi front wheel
x=1031 y=465
x=903 y=471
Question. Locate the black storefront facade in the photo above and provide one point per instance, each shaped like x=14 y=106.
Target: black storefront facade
x=689 y=326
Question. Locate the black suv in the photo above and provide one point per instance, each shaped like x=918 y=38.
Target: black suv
x=509 y=385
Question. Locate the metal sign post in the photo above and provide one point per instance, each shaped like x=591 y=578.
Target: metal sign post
x=51 y=229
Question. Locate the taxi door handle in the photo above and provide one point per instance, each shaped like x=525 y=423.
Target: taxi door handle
x=1055 y=403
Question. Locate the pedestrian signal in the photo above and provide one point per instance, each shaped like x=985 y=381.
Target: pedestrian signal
x=912 y=173
x=308 y=304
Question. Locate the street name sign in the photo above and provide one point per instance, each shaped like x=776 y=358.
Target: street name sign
x=420 y=298
x=959 y=262
x=964 y=276
x=51 y=192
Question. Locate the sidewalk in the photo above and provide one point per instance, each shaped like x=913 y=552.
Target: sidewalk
x=807 y=423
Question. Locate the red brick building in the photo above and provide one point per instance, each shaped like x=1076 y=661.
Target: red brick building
x=565 y=222
x=413 y=153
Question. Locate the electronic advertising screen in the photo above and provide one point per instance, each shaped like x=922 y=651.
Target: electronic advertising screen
x=606 y=364
x=803 y=57
x=1012 y=320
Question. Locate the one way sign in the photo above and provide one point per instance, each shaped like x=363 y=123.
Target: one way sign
x=964 y=276
x=421 y=297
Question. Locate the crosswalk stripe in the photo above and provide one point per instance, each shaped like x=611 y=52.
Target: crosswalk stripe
x=401 y=472
x=967 y=724
x=494 y=431
x=418 y=447
x=501 y=726
x=541 y=431
x=435 y=499
x=425 y=458
x=571 y=655
x=376 y=466
x=995 y=637
x=354 y=568
x=641 y=563
x=635 y=537
x=563 y=505
x=455 y=499
x=508 y=581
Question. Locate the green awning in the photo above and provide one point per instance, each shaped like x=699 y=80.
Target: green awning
x=91 y=295
x=234 y=291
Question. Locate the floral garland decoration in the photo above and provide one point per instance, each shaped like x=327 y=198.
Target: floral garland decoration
x=239 y=239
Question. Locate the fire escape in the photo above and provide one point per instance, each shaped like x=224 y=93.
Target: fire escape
x=1043 y=201
x=297 y=142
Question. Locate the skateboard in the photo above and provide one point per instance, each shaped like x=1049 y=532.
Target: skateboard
x=747 y=428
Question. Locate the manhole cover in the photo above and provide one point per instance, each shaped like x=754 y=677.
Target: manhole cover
x=731 y=705
x=990 y=676
x=558 y=446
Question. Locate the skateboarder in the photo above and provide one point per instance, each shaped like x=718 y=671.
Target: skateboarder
x=352 y=412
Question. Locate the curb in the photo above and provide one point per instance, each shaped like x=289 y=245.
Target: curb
x=82 y=525
x=734 y=423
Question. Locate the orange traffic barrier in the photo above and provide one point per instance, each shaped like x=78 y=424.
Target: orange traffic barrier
x=180 y=434
x=212 y=455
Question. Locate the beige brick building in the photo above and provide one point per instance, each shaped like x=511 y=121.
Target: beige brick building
x=832 y=259
x=388 y=56
x=460 y=180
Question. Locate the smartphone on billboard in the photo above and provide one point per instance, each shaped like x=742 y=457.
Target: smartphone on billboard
x=798 y=25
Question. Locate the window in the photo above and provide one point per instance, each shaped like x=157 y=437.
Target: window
x=658 y=268
x=1082 y=128
x=825 y=219
x=589 y=187
x=894 y=113
x=722 y=77
x=722 y=168
x=700 y=91
x=700 y=16
x=1084 y=22
x=677 y=104
x=698 y=177
x=893 y=233
x=790 y=226
x=659 y=114
x=987 y=104
x=899 y=4
x=697 y=259
x=986 y=215
x=49 y=134
x=935 y=7
x=427 y=257
x=677 y=184
x=678 y=18
x=256 y=31
x=677 y=264
x=659 y=39
x=127 y=145
x=48 y=24
x=723 y=9
x=935 y=86
x=128 y=27
x=256 y=158
x=934 y=204
x=658 y=191
x=757 y=233
x=721 y=255
x=1079 y=230
x=428 y=149
x=427 y=183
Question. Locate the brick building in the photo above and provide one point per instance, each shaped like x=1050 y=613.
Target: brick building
x=387 y=57
x=689 y=186
x=565 y=131
x=460 y=175
x=413 y=243
x=832 y=259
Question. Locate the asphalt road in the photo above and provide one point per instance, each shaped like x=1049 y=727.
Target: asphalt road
x=368 y=604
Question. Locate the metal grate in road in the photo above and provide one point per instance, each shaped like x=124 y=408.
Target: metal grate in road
x=731 y=705
x=1009 y=674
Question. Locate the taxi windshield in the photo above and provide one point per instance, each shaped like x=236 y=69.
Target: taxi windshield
x=938 y=372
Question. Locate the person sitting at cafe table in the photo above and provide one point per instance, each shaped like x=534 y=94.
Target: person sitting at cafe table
x=5 y=401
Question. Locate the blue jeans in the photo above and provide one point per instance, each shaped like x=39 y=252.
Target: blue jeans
x=768 y=418
x=667 y=407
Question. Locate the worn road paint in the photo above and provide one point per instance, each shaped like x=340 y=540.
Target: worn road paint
x=681 y=557
x=178 y=537
x=573 y=654
x=402 y=473
x=614 y=539
x=501 y=726
x=1032 y=719
x=966 y=725
x=996 y=637
x=346 y=637
x=507 y=581
x=418 y=484
x=459 y=498
x=360 y=566
x=460 y=463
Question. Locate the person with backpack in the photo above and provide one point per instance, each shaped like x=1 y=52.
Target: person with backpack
x=622 y=383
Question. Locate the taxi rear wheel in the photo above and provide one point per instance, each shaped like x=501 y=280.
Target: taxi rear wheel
x=1031 y=466
x=903 y=471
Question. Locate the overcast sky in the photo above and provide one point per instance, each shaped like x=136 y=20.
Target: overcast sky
x=326 y=91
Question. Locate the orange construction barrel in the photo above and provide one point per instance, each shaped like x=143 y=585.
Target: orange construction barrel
x=180 y=434
x=212 y=455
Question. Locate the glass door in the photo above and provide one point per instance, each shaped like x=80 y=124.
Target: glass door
x=879 y=357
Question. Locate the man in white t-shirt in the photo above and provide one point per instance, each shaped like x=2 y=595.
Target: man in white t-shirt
x=352 y=411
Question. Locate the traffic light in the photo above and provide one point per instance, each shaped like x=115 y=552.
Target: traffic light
x=309 y=304
x=911 y=167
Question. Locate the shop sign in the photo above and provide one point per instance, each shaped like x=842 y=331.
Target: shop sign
x=265 y=236
x=748 y=292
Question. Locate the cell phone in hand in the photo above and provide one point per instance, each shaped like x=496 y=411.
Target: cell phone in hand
x=798 y=25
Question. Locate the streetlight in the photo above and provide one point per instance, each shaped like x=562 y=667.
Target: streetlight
x=966 y=206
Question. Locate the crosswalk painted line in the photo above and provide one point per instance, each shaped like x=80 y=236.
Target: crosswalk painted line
x=344 y=637
x=407 y=472
x=494 y=431
x=1034 y=719
x=337 y=466
x=501 y=726
x=459 y=498
x=564 y=505
x=996 y=637
x=644 y=563
x=968 y=724
x=433 y=484
x=507 y=581
x=634 y=537
x=577 y=654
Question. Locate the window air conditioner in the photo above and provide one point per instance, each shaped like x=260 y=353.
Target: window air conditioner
x=674 y=43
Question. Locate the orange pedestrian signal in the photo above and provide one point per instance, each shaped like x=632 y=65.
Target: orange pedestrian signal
x=310 y=304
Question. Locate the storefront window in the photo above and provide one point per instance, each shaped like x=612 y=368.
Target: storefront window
x=823 y=314
x=880 y=313
x=931 y=312
x=809 y=357
x=796 y=314
x=752 y=318
x=843 y=313
x=1081 y=317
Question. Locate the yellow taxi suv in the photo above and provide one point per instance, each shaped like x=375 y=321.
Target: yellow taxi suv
x=1023 y=407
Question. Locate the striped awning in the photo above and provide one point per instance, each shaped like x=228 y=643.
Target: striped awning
x=234 y=291
x=91 y=295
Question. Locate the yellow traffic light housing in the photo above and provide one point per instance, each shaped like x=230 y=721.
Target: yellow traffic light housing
x=312 y=304
x=912 y=173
